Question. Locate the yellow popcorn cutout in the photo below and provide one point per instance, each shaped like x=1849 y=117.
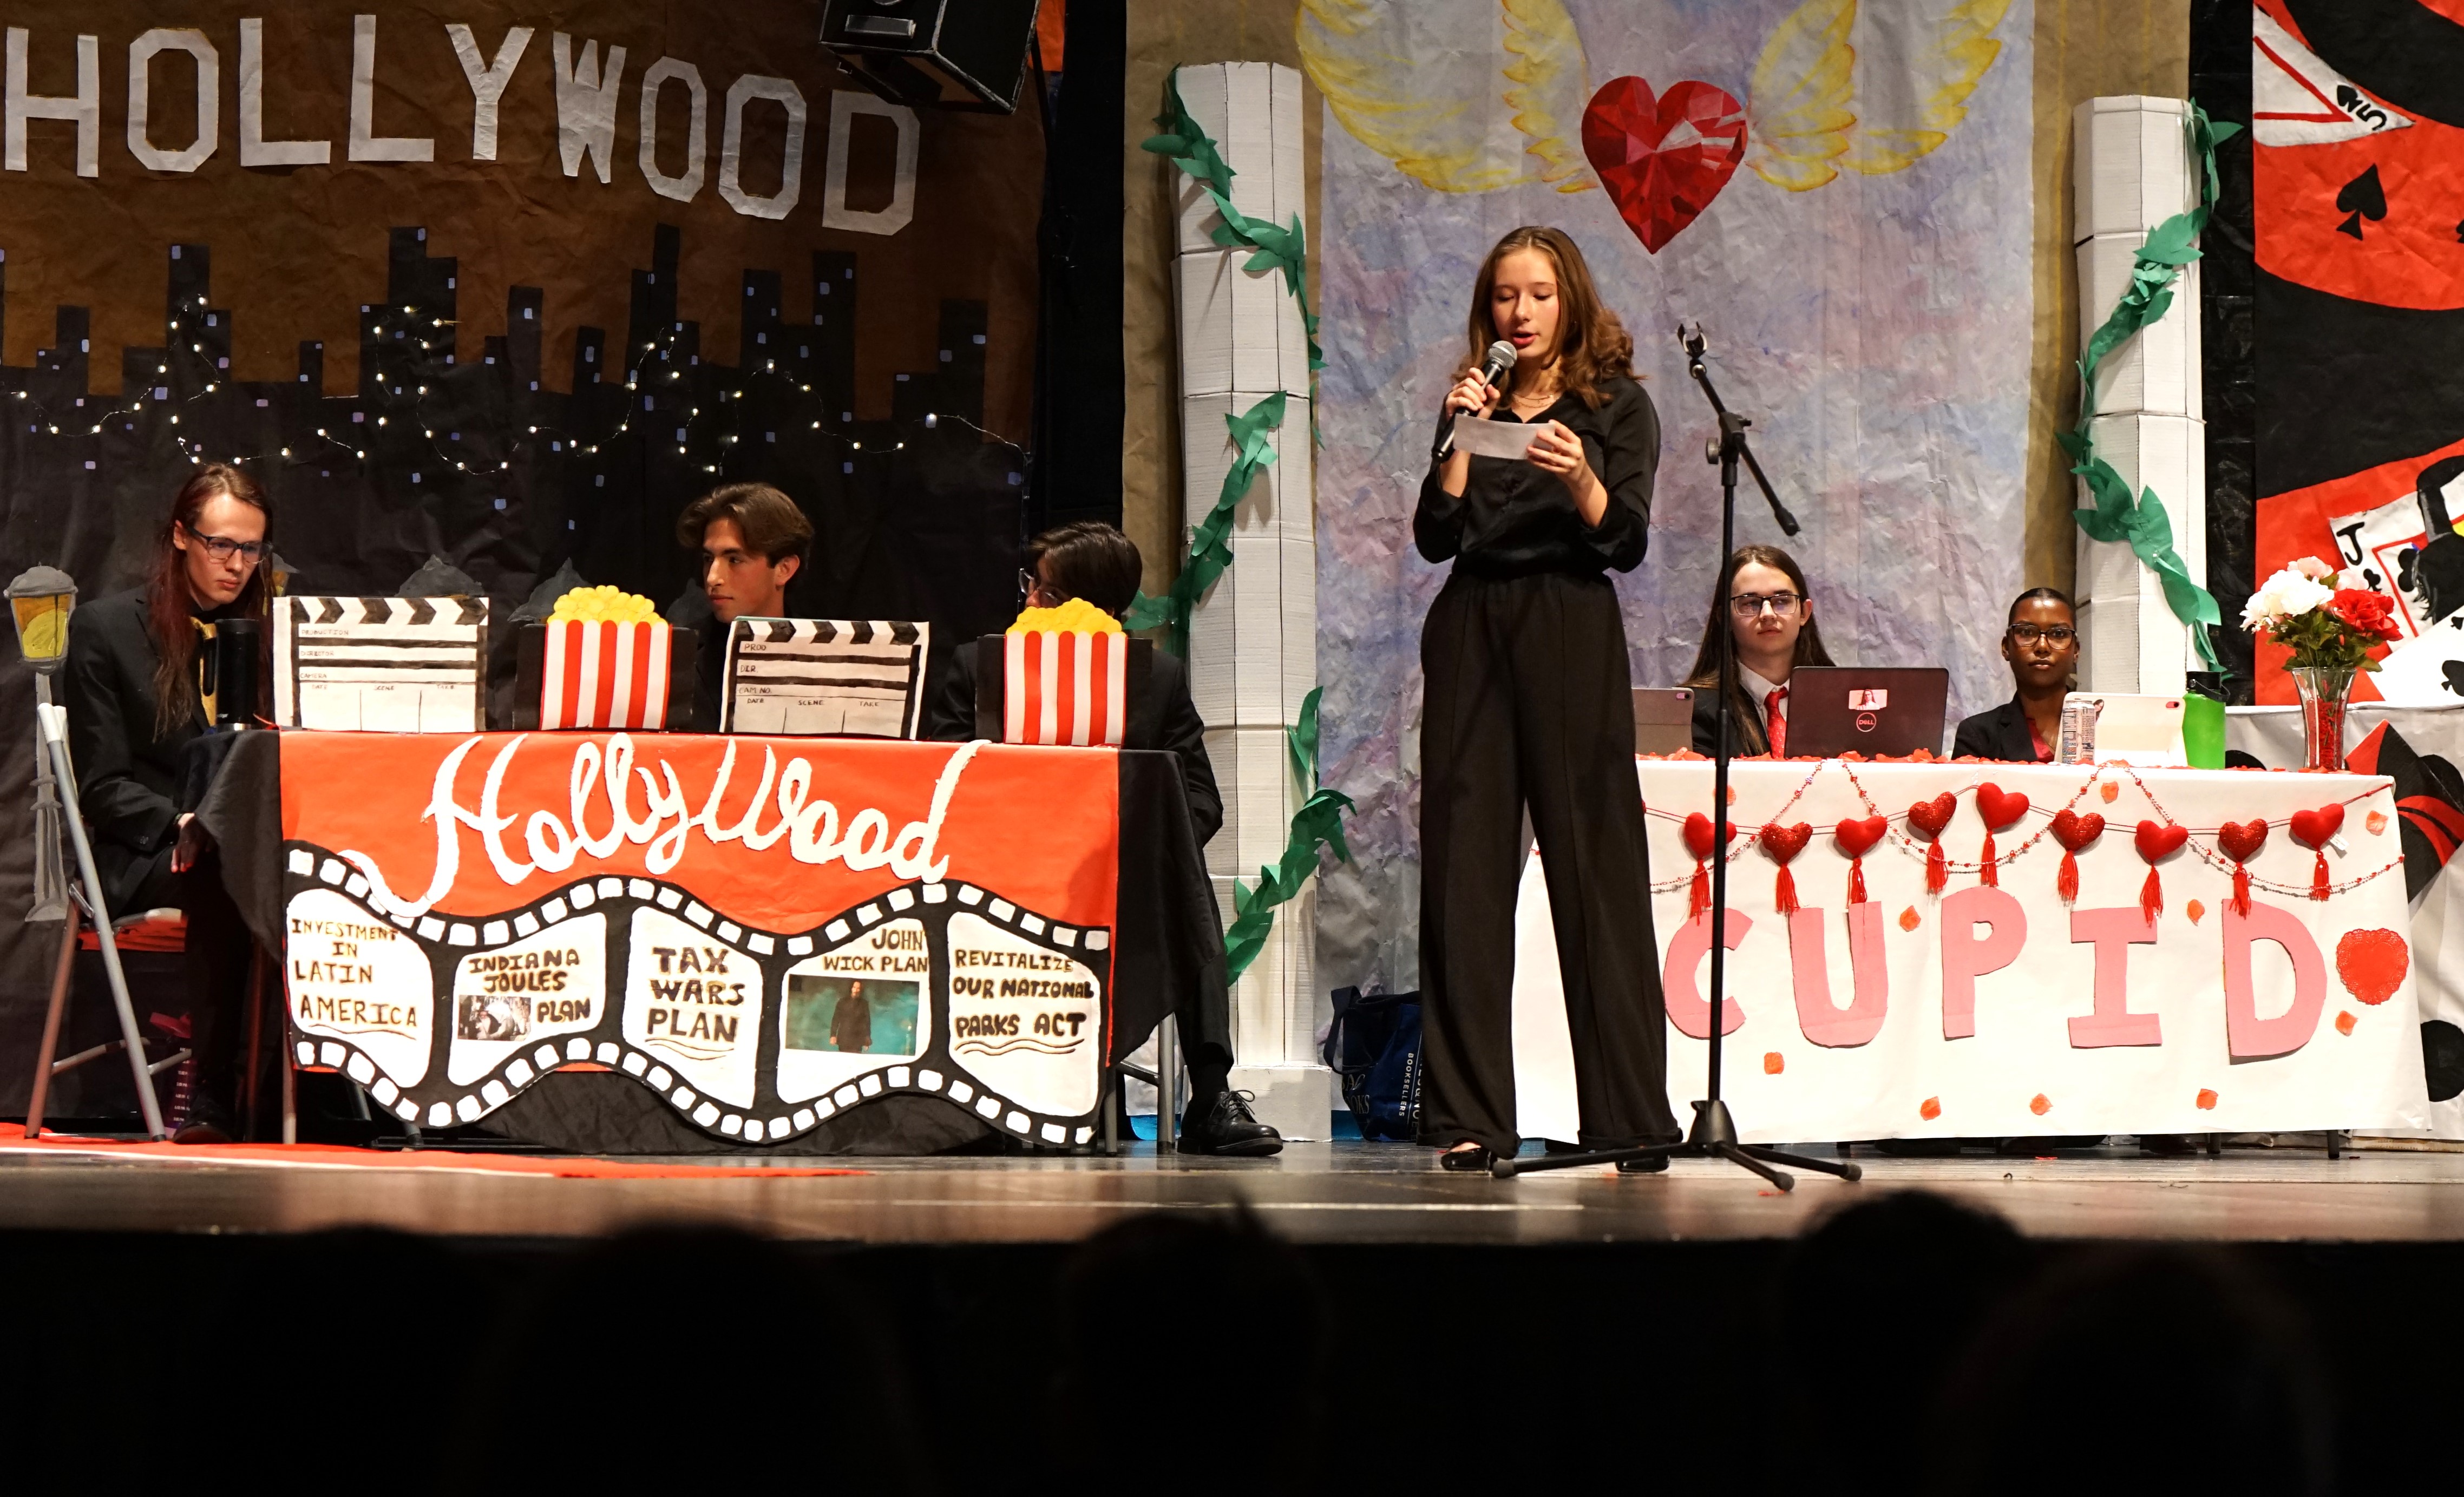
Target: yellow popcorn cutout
x=603 y=604
x=1077 y=616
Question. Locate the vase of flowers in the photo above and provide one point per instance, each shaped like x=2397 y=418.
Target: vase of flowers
x=2331 y=631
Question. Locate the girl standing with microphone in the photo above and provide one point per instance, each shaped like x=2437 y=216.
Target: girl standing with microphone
x=1529 y=704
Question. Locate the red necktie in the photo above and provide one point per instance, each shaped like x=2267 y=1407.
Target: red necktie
x=1778 y=725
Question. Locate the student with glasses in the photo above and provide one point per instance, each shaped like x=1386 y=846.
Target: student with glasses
x=135 y=694
x=1762 y=600
x=2041 y=644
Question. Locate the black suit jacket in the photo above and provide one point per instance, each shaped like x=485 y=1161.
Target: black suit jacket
x=128 y=780
x=1745 y=737
x=1163 y=719
x=1997 y=733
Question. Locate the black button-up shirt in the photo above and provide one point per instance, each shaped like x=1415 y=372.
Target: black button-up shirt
x=1514 y=518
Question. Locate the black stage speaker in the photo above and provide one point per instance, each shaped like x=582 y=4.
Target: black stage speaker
x=934 y=53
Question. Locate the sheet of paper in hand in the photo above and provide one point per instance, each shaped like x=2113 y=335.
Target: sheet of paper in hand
x=1482 y=438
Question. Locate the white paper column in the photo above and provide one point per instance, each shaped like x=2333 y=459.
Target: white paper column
x=1253 y=635
x=2131 y=171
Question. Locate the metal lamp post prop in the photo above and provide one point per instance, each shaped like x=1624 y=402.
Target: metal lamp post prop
x=40 y=599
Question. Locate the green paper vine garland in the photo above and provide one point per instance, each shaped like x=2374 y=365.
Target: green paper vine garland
x=2141 y=521
x=1318 y=821
x=1210 y=544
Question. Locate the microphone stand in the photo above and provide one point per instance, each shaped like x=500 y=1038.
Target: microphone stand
x=1714 y=1135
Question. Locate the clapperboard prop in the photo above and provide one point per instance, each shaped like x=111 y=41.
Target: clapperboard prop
x=381 y=664
x=599 y=674
x=809 y=677
x=1060 y=687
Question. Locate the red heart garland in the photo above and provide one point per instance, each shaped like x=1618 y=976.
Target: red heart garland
x=1663 y=159
x=2240 y=840
x=2313 y=829
x=1784 y=843
x=2073 y=831
x=1697 y=842
x=2156 y=843
x=1999 y=808
x=1930 y=817
x=1857 y=838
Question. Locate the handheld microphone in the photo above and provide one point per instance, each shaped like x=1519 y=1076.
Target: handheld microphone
x=1501 y=358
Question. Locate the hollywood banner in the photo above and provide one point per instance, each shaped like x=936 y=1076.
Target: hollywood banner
x=507 y=284
x=2357 y=213
x=764 y=932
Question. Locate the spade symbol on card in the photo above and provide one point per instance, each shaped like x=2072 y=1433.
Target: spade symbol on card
x=2363 y=198
x=2454 y=671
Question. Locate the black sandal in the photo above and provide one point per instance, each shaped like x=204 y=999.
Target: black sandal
x=1474 y=1159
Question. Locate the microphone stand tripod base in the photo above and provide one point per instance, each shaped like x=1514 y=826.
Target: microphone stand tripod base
x=1714 y=1137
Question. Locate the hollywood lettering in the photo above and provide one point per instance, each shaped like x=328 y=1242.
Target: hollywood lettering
x=615 y=800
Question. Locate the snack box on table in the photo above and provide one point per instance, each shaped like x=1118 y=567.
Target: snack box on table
x=1060 y=687
x=605 y=675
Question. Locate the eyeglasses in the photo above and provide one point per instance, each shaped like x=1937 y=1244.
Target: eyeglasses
x=1750 y=605
x=1030 y=584
x=2028 y=633
x=222 y=548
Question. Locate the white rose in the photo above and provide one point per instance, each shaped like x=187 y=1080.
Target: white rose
x=2284 y=596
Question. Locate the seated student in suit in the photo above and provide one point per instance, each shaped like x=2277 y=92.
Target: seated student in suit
x=132 y=687
x=1762 y=600
x=1094 y=562
x=750 y=540
x=2041 y=643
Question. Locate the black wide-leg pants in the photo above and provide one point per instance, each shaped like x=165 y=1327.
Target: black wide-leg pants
x=1528 y=703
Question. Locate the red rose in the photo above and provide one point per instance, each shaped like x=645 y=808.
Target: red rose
x=2366 y=613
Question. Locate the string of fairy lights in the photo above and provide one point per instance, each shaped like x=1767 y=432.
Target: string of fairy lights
x=666 y=347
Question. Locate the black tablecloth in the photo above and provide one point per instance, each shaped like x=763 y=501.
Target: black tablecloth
x=1168 y=942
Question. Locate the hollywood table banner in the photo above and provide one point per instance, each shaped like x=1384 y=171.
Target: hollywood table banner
x=764 y=932
x=1966 y=949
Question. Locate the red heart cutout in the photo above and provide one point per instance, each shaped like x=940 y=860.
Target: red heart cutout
x=2075 y=831
x=2242 y=840
x=2313 y=828
x=1930 y=817
x=2157 y=841
x=1998 y=806
x=1663 y=159
x=1784 y=843
x=2371 y=963
x=1698 y=835
x=1858 y=838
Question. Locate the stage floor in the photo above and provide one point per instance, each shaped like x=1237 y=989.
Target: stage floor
x=1313 y=1192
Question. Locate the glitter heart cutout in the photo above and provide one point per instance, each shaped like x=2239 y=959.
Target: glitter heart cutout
x=2242 y=840
x=2075 y=831
x=1930 y=817
x=1784 y=843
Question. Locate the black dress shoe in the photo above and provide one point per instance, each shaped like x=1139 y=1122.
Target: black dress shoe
x=1654 y=1165
x=1473 y=1160
x=1228 y=1128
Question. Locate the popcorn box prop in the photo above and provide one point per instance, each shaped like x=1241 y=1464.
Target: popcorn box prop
x=379 y=665
x=1060 y=687
x=600 y=674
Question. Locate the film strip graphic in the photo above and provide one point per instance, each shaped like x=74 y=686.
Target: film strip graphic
x=806 y=677
x=746 y=1033
x=403 y=665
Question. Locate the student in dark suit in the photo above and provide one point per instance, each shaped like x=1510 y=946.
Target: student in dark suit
x=134 y=702
x=748 y=541
x=2041 y=644
x=1763 y=599
x=1096 y=563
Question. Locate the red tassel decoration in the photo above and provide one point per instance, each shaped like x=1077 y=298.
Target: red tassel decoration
x=2241 y=891
x=1856 y=882
x=2066 y=881
x=2318 y=877
x=1698 y=896
x=1989 y=875
x=1784 y=891
x=1937 y=871
x=2151 y=896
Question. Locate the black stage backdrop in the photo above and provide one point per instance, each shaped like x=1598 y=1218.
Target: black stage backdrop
x=2220 y=85
x=510 y=335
